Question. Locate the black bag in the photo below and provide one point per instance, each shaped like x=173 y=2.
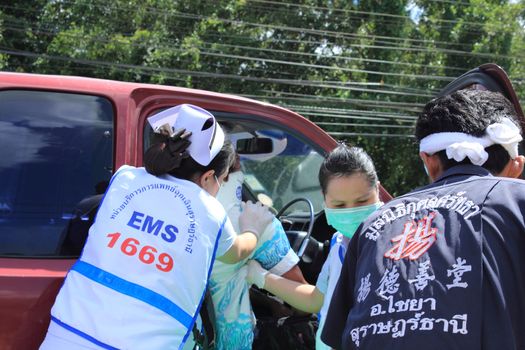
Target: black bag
x=205 y=340
x=290 y=332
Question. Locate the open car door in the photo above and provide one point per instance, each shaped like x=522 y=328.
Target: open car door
x=488 y=76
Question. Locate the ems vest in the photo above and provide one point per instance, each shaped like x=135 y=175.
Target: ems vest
x=140 y=280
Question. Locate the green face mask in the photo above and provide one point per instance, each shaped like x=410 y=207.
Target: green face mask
x=347 y=220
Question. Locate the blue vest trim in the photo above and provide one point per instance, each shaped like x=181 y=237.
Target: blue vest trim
x=333 y=241
x=82 y=334
x=133 y=290
x=341 y=253
x=207 y=282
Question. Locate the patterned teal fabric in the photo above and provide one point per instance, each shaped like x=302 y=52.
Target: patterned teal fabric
x=230 y=292
x=271 y=252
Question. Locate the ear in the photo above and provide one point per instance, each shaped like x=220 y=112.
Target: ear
x=206 y=178
x=378 y=193
x=514 y=168
x=433 y=164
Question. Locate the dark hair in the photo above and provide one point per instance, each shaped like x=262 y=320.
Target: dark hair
x=469 y=112
x=159 y=160
x=345 y=161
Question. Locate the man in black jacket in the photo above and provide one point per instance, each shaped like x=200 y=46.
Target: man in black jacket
x=443 y=267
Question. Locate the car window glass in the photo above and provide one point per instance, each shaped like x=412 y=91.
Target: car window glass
x=56 y=155
x=289 y=172
x=278 y=175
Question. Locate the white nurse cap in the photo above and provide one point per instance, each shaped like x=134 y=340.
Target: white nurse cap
x=207 y=137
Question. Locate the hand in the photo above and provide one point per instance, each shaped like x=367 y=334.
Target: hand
x=256 y=274
x=254 y=218
x=167 y=150
x=177 y=144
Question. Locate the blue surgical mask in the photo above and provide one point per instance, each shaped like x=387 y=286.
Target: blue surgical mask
x=347 y=220
x=230 y=193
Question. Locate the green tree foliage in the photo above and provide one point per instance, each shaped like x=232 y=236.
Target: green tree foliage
x=360 y=69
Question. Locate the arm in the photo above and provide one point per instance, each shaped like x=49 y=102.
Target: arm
x=302 y=296
x=242 y=247
x=295 y=274
x=252 y=222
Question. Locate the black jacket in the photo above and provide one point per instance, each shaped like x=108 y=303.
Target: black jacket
x=442 y=267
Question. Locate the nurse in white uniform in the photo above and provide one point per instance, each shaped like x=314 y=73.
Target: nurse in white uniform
x=141 y=278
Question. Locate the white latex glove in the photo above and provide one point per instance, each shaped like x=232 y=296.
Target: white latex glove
x=256 y=274
x=254 y=218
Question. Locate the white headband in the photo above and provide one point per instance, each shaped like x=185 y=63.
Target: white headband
x=459 y=145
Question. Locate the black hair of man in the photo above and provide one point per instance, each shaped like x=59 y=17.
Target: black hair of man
x=469 y=112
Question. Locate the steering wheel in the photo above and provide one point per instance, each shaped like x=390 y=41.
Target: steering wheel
x=306 y=239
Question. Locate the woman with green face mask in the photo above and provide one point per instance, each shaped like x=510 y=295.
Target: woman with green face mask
x=350 y=187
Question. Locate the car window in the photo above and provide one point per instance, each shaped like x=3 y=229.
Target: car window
x=286 y=173
x=275 y=175
x=56 y=155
